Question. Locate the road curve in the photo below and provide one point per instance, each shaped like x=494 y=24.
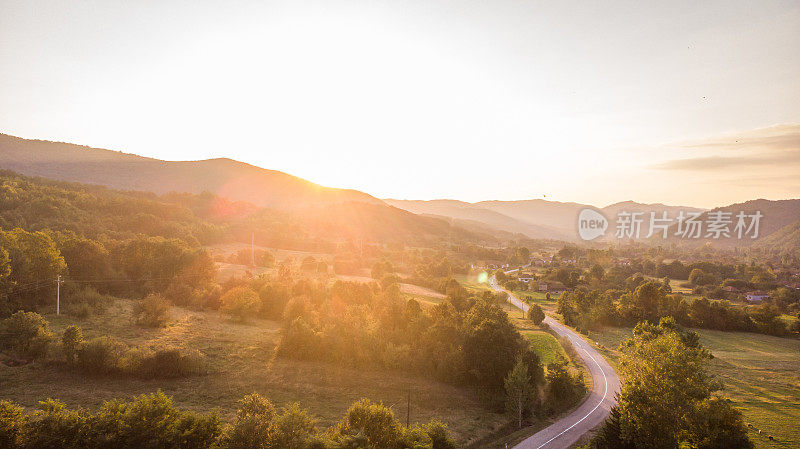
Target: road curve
x=565 y=432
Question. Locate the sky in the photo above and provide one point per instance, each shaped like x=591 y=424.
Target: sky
x=684 y=103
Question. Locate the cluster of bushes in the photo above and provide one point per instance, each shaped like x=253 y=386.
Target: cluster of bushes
x=106 y=356
x=26 y=336
x=85 y=301
x=152 y=421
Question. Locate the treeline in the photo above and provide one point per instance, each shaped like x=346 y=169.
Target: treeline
x=153 y=421
x=651 y=301
x=30 y=263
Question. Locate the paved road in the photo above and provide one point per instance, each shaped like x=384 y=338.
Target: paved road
x=566 y=431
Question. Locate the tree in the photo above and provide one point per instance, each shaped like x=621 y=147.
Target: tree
x=152 y=311
x=5 y=282
x=666 y=400
x=25 y=334
x=375 y=422
x=240 y=302
x=5 y=270
x=440 y=439
x=597 y=271
x=519 y=391
x=34 y=259
x=86 y=259
x=536 y=314
x=501 y=276
x=71 y=343
x=563 y=388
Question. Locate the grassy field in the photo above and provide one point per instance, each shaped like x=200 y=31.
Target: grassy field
x=548 y=305
x=761 y=374
x=546 y=345
x=241 y=359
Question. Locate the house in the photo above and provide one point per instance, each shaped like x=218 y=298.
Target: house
x=526 y=278
x=554 y=288
x=731 y=289
x=756 y=296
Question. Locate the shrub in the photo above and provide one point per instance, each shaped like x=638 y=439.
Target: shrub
x=78 y=309
x=240 y=302
x=258 y=425
x=152 y=311
x=164 y=363
x=25 y=334
x=55 y=426
x=568 y=347
x=151 y=420
x=251 y=427
x=440 y=439
x=563 y=388
x=273 y=300
x=100 y=355
x=86 y=301
x=300 y=341
x=536 y=314
x=71 y=343
x=12 y=420
x=182 y=294
x=375 y=422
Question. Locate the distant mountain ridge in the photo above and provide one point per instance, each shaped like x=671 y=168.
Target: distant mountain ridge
x=460 y=210
x=534 y=218
x=226 y=177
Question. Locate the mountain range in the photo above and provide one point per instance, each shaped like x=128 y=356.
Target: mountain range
x=271 y=189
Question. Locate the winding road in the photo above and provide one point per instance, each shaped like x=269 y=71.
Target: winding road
x=593 y=411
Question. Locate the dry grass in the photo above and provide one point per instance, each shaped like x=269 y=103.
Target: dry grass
x=241 y=359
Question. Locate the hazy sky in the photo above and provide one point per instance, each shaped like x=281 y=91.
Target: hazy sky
x=592 y=102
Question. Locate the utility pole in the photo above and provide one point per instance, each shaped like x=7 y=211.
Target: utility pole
x=58 y=295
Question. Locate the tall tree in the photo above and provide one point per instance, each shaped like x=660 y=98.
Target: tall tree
x=667 y=399
x=519 y=391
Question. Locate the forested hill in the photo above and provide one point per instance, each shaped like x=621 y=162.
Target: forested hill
x=97 y=212
x=784 y=240
x=231 y=179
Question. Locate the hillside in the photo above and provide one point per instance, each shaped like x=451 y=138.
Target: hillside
x=776 y=215
x=225 y=177
x=786 y=239
x=90 y=210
